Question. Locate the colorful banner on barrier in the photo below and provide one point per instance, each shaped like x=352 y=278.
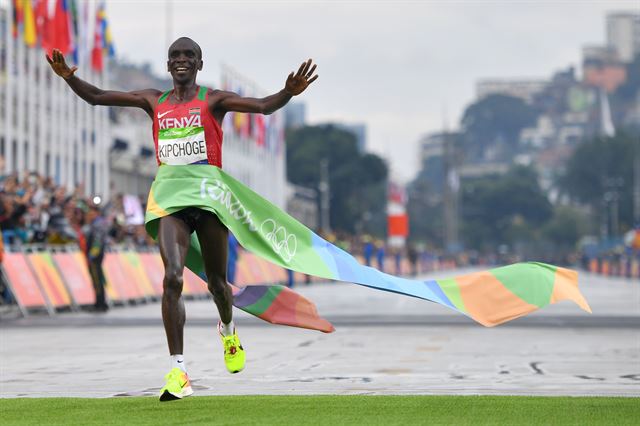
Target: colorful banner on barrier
x=120 y=286
x=49 y=279
x=132 y=268
x=490 y=297
x=23 y=283
x=153 y=267
x=130 y=276
x=75 y=273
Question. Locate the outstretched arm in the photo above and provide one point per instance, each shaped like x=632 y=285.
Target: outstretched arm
x=144 y=99
x=295 y=85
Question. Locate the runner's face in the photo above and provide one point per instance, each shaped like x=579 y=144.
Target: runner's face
x=183 y=63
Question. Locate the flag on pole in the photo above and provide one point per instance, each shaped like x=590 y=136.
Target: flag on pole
x=61 y=28
x=16 y=25
x=43 y=27
x=97 y=62
x=102 y=41
x=73 y=25
x=259 y=130
x=29 y=28
x=109 y=48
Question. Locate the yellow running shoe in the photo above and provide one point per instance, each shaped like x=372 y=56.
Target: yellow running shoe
x=178 y=385
x=234 y=356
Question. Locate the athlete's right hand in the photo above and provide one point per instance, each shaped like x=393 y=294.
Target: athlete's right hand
x=59 y=65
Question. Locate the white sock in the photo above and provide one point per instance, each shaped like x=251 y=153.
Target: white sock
x=177 y=361
x=226 y=329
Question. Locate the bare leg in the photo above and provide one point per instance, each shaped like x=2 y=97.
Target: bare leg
x=213 y=235
x=173 y=238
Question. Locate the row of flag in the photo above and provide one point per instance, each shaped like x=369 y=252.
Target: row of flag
x=266 y=130
x=59 y=24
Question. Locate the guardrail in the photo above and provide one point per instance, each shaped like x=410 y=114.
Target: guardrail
x=627 y=267
x=56 y=278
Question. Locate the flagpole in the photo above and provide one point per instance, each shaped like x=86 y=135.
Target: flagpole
x=99 y=142
x=68 y=138
x=55 y=129
x=31 y=159
x=43 y=141
x=20 y=104
x=104 y=158
x=3 y=84
x=8 y=142
x=79 y=107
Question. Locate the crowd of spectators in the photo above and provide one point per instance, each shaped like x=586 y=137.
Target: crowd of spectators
x=33 y=209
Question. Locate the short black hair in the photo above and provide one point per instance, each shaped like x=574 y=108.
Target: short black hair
x=196 y=46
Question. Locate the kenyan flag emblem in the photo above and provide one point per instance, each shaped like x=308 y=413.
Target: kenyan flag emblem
x=195 y=111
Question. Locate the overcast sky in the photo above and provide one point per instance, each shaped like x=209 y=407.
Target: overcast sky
x=403 y=68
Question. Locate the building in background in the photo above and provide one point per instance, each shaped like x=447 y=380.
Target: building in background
x=295 y=115
x=623 y=34
x=302 y=204
x=359 y=130
x=48 y=129
x=132 y=160
x=602 y=67
x=254 y=150
x=431 y=146
x=524 y=89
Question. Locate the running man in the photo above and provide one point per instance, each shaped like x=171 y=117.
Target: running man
x=194 y=114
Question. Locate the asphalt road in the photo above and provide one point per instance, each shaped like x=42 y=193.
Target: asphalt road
x=384 y=344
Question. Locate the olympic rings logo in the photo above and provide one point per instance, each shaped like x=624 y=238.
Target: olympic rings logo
x=284 y=244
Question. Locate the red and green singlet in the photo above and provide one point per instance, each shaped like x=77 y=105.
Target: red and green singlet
x=186 y=133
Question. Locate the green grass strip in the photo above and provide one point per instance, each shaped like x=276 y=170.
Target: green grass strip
x=323 y=410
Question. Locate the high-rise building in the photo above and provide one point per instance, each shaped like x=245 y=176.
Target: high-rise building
x=524 y=89
x=431 y=146
x=623 y=34
x=295 y=114
x=359 y=130
x=601 y=67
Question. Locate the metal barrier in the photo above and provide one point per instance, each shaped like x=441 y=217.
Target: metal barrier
x=54 y=278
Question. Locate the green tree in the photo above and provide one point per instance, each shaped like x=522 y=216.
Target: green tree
x=601 y=171
x=564 y=230
x=492 y=126
x=357 y=180
x=507 y=209
x=424 y=206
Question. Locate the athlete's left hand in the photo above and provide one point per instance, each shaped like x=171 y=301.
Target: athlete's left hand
x=297 y=83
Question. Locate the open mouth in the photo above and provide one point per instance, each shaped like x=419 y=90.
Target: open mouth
x=181 y=70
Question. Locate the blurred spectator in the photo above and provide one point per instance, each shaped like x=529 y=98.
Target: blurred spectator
x=368 y=250
x=97 y=233
x=35 y=210
x=290 y=278
x=380 y=255
x=412 y=254
x=397 y=256
x=61 y=210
